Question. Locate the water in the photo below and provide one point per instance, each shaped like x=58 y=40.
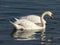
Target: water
x=18 y=8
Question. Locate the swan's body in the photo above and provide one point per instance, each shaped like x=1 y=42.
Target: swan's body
x=28 y=23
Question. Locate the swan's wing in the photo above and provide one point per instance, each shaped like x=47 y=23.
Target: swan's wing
x=33 y=18
x=39 y=24
x=28 y=24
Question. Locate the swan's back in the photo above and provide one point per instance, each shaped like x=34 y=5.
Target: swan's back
x=33 y=18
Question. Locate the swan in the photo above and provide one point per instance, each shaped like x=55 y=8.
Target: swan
x=37 y=19
x=27 y=25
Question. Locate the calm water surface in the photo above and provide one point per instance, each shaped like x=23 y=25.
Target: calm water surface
x=18 y=8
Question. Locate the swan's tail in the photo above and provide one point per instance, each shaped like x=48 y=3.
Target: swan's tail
x=16 y=19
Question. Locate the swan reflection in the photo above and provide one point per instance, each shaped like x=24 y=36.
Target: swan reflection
x=45 y=39
x=28 y=34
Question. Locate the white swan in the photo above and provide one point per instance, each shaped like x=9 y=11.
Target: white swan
x=26 y=24
x=30 y=26
x=37 y=19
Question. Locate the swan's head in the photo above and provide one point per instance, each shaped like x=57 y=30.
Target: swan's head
x=16 y=25
x=49 y=14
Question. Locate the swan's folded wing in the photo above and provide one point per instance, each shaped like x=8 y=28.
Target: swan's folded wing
x=33 y=18
x=29 y=25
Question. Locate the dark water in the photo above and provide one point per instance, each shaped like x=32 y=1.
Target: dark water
x=17 y=8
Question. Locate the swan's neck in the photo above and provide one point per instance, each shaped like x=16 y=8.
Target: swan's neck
x=43 y=20
x=43 y=24
x=44 y=15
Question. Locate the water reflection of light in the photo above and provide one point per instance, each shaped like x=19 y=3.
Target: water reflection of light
x=27 y=34
x=30 y=35
x=44 y=39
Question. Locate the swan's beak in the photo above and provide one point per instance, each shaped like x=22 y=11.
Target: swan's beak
x=52 y=17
